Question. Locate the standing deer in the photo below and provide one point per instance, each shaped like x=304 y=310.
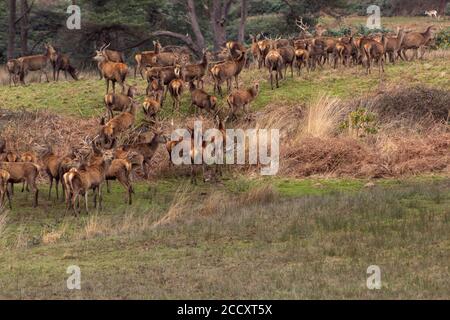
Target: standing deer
x=274 y=62
x=196 y=72
x=145 y=58
x=432 y=13
x=37 y=63
x=63 y=64
x=111 y=71
x=415 y=41
x=176 y=87
x=393 y=44
x=226 y=71
x=119 y=101
x=13 y=67
x=111 y=55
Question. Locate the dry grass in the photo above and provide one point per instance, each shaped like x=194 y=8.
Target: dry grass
x=179 y=206
x=3 y=222
x=54 y=236
x=323 y=116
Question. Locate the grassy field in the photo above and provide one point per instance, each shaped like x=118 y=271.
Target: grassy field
x=246 y=236
x=311 y=239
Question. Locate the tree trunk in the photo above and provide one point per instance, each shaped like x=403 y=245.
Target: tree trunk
x=24 y=27
x=442 y=7
x=199 y=38
x=244 y=12
x=218 y=15
x=11 y=29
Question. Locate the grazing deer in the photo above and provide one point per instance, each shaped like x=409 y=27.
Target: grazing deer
x=119 y=102
x=415 y=41
x=240 y=99
x=23 y=172
x=13 y=67
x=196 y=72
x=63 y=64
x=176 y=87
x=393 y=45
x=226 y=71
x=111 y=71
x=201 y=99
x=274 y=62
x=145 y=58
x=4 y=178
x=37 y=63
x=90 y=176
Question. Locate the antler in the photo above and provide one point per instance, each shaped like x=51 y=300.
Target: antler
x=303 y=26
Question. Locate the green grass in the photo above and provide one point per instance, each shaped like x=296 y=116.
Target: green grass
x=85 y=98
x=309 y=245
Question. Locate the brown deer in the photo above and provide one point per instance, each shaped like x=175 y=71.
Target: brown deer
x=254 y=50
x=147 y=149
x=118 y=124
x=176 y=88
x=414 y=41
x=63 y=64
x=37 y=63
x=13 y=67
x=4 y=178
x=164 y=74
x=166 y=59
x=240 y=99
x=226 y=71
x=196 y=72
x=111 y=55
x=343 y=52
x=119 y=102
x=145 y=58
x=274 y=62
x=152 y=105
x=23 y=172
x=112 y=71
x=201 y=99
x=90 y=176
x=263 y=50
x=120 y=170
x=374 y=50
x=393 y=45
x=287 y=52
x=28 y=156
x=302 y=60
x=51 y=163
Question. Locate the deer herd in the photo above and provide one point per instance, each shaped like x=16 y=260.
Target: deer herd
x=169 y=71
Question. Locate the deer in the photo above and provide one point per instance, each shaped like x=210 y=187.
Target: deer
x=226 y=71
x=51 y=163
x=274 y=62
x=415 y=41
x=263 y=50
x=23 y=172
x=196 y=72
x=118 y=124
x=166 y=59
x=393 y=45
x=13 y=68
x=235 y=49
x=164 y=74
x=240 y=99
x=4 y=178
x=120 y=170
x=152 y=105
x=432 y=14
x=254 y=50
x=302 y=60
x=201 y=99
x=145 y=58
x=28 y=156
x=287 y=52
x=62 y=63
x=147 y=149
x=176 y=88
x=119 y=101
x=111 y=55
x=112 y=71
x=90 y=176
x=37 y=63
x=343 y=52
x=374 y=50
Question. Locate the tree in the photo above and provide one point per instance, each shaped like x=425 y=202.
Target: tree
x=24 y=11
x=244 y=13
x=11 y=28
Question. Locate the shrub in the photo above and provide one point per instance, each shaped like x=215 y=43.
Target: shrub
x=360 y=122
x=442 y=39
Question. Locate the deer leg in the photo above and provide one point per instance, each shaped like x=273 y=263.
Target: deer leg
x=9 y=198
x=100 y=198
x=50 y=188
x=86 y=201
x=114 y=86
x=108 y=189
x=107 y=86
